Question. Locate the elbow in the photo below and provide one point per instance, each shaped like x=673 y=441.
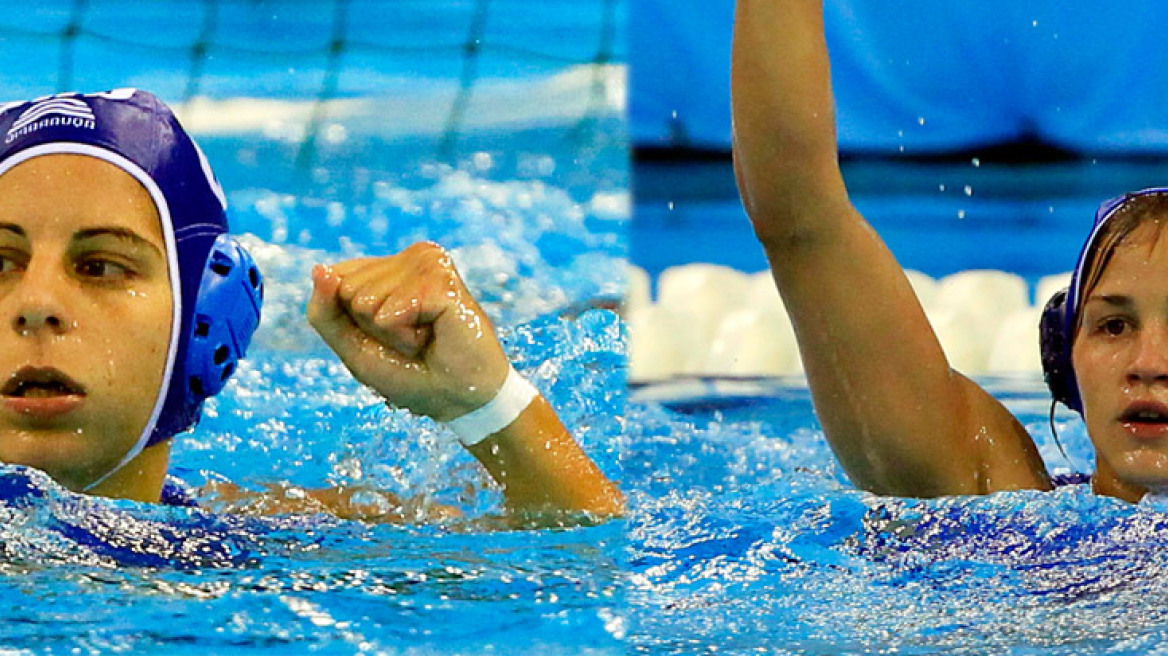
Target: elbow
x=612 y=506
x=787 y=238
x=793 y=213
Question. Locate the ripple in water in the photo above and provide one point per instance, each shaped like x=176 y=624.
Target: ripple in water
x=745 y=538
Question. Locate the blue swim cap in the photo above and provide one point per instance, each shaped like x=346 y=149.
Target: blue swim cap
x=1061 y=314
x=216 y=287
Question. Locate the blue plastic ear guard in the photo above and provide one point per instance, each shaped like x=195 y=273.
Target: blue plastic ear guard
x=1055 y=340
x=227 y=312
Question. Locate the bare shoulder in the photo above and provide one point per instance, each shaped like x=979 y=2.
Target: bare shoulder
x=1008 y=456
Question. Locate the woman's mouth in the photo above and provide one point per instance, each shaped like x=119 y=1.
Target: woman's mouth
x=41 y=393
x=1146 y=419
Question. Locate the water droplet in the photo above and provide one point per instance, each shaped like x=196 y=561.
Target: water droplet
x=961 y=214
x=968 y=190
x=976 y=162
x=483 y=161
x=336 y=133
x=941 y=187
x=920 y=120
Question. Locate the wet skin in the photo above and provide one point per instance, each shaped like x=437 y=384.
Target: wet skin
x=85 y=311
x=1121 y=361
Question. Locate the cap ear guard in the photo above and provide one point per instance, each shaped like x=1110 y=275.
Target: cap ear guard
x=1055 y=340
x=226 y=314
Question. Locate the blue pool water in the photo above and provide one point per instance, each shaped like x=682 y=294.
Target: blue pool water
x=527 y=188
x=747 y=537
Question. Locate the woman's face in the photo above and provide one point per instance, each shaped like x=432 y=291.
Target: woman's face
x=1121 y=361
x=85 y=315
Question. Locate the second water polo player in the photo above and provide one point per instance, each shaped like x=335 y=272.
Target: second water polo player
x=899 y=419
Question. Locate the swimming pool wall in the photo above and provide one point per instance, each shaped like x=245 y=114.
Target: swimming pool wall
x=987 y=244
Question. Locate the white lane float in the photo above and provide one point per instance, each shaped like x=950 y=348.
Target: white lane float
x=710 y=320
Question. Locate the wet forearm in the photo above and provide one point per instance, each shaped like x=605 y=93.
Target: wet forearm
x=541 y=467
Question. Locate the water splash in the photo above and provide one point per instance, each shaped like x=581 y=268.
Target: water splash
x=745 y=535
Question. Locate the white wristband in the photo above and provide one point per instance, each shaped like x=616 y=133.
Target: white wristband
x=511 y=400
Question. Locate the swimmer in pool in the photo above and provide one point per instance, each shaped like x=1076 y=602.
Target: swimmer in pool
x=126 y=305
x=898 y=418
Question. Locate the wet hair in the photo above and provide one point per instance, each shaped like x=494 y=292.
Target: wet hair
x=1134 y=211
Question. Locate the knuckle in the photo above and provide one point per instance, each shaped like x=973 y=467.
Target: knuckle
x=364 y=303
x=393 y=307
x=429 y=248
x=347 y=289
x=387 y=315
x=428 y=255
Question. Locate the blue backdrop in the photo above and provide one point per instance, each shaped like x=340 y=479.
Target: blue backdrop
x=923 y=76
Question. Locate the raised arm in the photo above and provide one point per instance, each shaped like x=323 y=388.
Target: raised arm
x=406 y=326
x=898 y=418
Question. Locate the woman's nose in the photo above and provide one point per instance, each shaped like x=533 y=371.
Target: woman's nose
x=38 y=305
x=33 y=319
x=1151 y=358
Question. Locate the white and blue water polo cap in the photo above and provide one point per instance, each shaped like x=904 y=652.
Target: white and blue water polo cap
x=136 y=132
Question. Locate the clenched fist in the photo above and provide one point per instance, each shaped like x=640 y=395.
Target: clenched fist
x=406 y=326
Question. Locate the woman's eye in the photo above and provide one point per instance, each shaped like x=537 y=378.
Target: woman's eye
x=8 y=265
x=12 y=261
x=1114 y=326
x=101 y=268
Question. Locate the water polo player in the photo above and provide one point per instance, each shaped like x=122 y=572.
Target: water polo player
x=127 y=305
x=899 y=419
